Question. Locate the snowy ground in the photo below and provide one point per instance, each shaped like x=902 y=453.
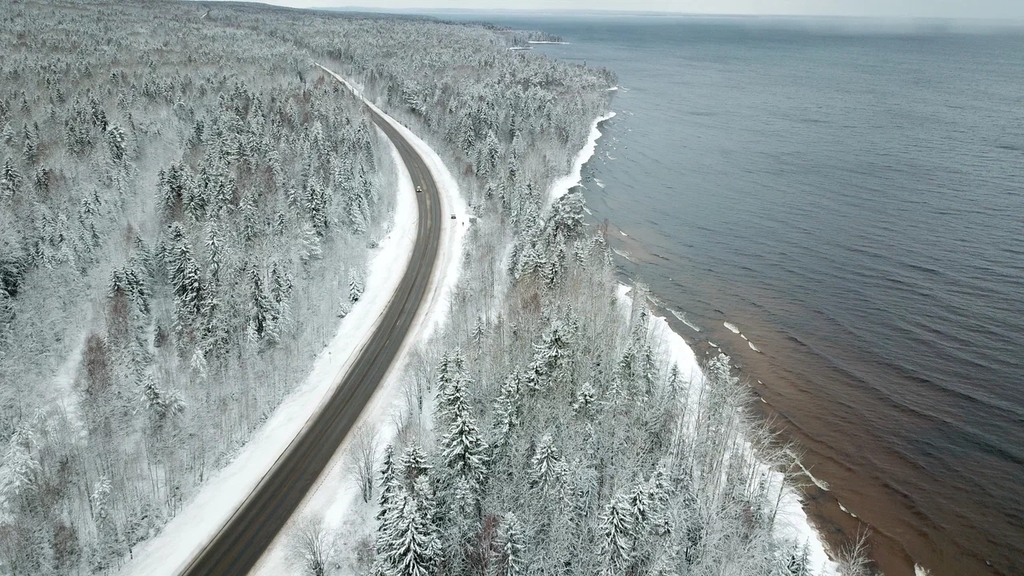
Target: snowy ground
x=203 y=516
x=335 y=500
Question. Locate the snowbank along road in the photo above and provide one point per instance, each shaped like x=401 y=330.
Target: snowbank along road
x=242 y=540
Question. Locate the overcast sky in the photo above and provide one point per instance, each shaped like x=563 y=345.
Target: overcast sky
x=985 y=9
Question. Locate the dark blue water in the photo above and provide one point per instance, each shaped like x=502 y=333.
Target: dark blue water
x=853 y=200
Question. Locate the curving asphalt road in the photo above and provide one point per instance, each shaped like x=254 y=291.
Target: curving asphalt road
x=242 y=540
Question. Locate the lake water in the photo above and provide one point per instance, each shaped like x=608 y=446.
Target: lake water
x=851 y=197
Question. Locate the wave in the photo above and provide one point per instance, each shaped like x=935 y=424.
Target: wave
x=817 y=482
x=843 y=508
x=623 y=254
x=732 y=327
x=682 y=318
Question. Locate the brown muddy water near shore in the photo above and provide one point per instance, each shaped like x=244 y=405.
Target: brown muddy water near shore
x=841 y=500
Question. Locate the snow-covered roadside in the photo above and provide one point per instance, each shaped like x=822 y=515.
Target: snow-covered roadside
x=561 y=186
x=453 y=233
x=335 y=500
x=206 y=513
x=791 y=522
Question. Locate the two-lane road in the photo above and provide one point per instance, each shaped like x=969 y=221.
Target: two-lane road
x=242 y=540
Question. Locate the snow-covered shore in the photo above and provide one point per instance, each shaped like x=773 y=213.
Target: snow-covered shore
x=561 y=186
x=791 y=522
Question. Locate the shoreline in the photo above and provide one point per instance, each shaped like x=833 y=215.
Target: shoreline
x=839 y=527
x=795 y=513
x=793 y=521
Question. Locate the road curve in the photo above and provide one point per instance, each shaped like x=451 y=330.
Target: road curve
x=251 y=529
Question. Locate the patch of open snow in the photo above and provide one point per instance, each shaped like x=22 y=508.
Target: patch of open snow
x=791 y=522
x=187 y=533
x=64 y=384
x=562 y=185
x=335 y=498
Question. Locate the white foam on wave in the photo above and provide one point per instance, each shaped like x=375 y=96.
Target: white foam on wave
x=682 y=318
x=732 y=327
x=921 y=571
x=843 y=508
x=623 y=254
x=623 y=233
x=599 y=183
x=817 y=482
x=752 y=347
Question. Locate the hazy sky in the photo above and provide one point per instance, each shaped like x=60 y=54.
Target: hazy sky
x=985 y=9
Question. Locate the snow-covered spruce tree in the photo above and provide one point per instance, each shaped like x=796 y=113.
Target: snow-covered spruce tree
x=389 y=484
x=618 y=537
x=463 y=450
x=546 y=467
x=509 y=561
x=410 y=546
x=506 y=415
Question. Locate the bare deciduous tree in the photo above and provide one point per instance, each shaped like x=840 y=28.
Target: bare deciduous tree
x=312 y=546
x=362 y=458
x=853 y=558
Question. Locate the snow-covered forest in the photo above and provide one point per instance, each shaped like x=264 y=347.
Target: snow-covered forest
x=187 y=207
x=186 y=210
